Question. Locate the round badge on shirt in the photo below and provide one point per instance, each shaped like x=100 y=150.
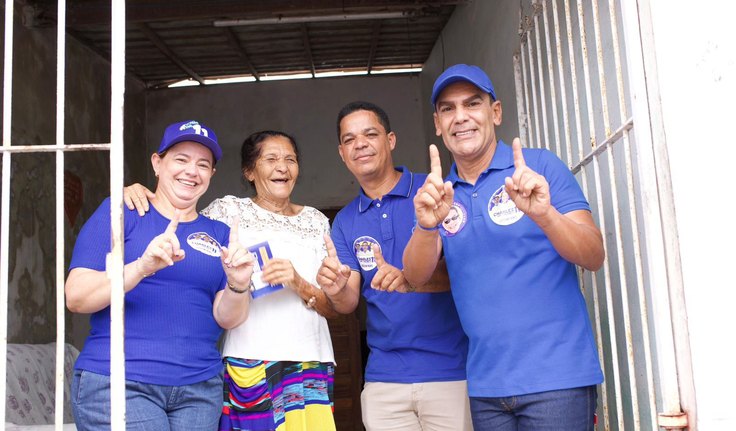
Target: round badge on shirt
x=363 y=249
x=202 y=241
x=502 y=209
x=456 y=219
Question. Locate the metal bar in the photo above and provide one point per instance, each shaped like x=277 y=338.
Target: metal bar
x=604 y=145
x=234 y=42
x=60 y=305
x=574 y=78
x=53 y=148
x=5 y=211
x=308 y=48
x=321 y=18
x=542 y=90
x=586 y=74
x=623 y=290
x=165 y=50
x=533 y=85
x=551 y=75
x=115 y=258
x=563 y=88
x=598 y=331
x=609 y=300
x=519 y=86
x=669 y=315
x=527 y=112
x=596 y=311
x=618 y=230
x=601 y=68
x=375 y=33
x=609 y=293
x=638 y=264
x=91 y=13
x=584 y=175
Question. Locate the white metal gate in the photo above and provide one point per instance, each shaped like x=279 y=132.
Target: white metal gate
x=583 y=93
x=115 y=258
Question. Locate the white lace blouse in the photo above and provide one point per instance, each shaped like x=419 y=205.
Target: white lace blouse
x=279 y=326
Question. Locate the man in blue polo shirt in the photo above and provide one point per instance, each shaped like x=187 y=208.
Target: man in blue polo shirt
x=415 y=376
x=512 y=224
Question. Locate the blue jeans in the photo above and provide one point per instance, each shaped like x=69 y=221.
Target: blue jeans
x=563 y=410
x=148 y=407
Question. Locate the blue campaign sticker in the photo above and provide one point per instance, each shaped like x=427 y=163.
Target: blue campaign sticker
x=456 y=219
x=502 y=210
x=363 y=249
x=203 y=242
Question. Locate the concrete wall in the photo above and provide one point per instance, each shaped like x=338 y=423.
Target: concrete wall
x=306 y=109
x=32 y=281
x=697 y=81
x=483 y=33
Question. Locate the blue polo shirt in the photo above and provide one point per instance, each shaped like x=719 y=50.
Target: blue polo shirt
x=170 y=331
x=518 y=299
x=413 y=337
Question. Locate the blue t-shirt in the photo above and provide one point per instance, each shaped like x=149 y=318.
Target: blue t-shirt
x=413 y=337
x=518 y=299
x=170 y=331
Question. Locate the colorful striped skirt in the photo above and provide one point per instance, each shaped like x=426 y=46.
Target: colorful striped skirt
x=277 y=396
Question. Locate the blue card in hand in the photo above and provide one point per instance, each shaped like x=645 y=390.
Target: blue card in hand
x=262 y=253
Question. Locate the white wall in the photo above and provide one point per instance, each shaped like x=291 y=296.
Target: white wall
x=306 y=109
x=696 y=58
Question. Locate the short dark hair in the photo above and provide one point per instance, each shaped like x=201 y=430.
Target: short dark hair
x=250 y=151
x=360 y=105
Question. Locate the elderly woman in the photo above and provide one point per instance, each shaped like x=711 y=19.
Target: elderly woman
x=279 y=363
x=175 y=302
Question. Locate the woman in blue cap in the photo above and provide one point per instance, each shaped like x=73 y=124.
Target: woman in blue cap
x=177 y=265
x=279 y=363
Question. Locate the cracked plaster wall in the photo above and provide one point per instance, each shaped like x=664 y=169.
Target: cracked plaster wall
x=32 y=245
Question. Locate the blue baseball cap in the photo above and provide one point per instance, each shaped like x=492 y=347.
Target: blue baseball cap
x=462 y=72
x=190 y=131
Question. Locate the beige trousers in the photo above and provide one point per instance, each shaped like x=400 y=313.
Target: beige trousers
x=433 y=406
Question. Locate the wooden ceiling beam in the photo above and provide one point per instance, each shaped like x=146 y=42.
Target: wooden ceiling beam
x=153 y=37
x=374 y=44
x=308 y=48
x=232 y=38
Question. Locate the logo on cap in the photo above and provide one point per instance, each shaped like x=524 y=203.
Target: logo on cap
x=190 y=131
x=198 y=128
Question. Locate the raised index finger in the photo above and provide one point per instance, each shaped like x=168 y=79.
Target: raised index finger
x=519 y=161
x=234 y=225
x=174 y=223
x=378 y=255
x=435 y=165
x=331 y=250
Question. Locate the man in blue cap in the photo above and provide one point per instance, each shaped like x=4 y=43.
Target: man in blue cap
x=512 y=224
x=415 y=376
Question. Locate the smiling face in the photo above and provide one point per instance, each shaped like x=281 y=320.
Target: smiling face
x=276 y=169
x=184 y=172
x=365 y=146
x=466 y=117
